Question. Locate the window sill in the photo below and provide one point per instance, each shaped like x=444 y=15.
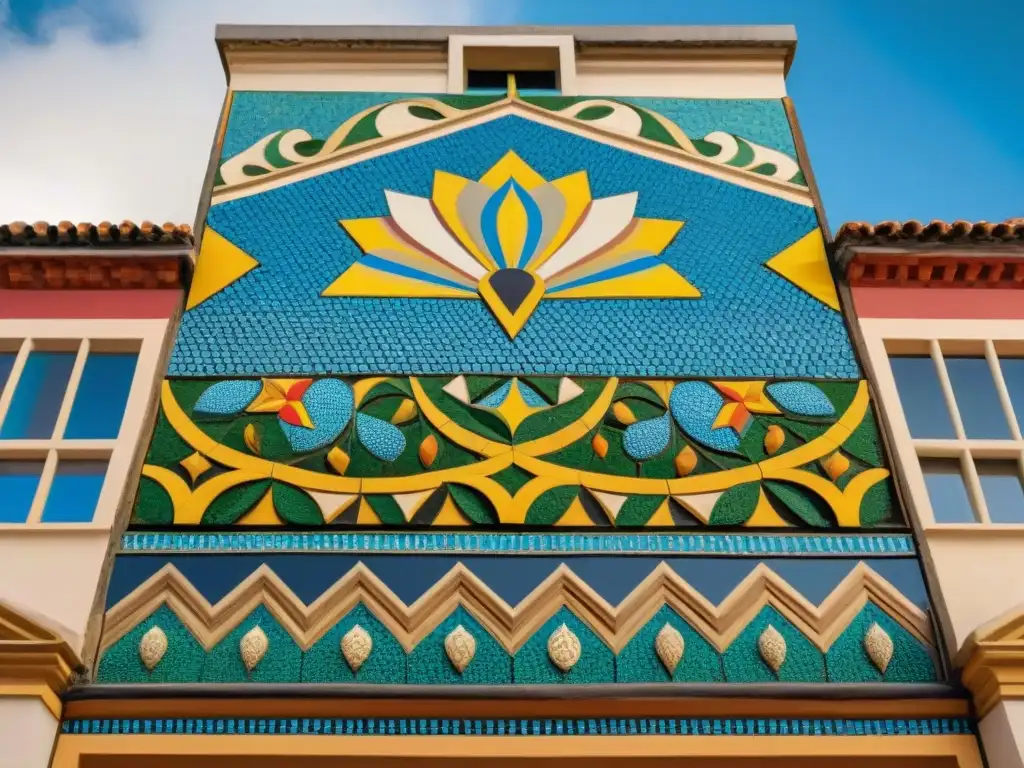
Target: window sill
x=93 y=527
x=938 y=530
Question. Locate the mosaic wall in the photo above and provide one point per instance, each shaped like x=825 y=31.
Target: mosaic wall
x=467 y=389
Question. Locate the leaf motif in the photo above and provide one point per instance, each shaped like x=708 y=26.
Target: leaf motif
x=473 y=504
x=548 y=508
x=153 y=505
x=227 y=398
x=233 y=504
x=799 y=503
x=633 y=389
x=295 y=506
x=736 y=505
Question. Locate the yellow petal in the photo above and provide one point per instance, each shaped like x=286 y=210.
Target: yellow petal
x=622 y=413
x=835 y=465
x=252 y=439
x=406 y=412
x=428 y=450
x=600 y=445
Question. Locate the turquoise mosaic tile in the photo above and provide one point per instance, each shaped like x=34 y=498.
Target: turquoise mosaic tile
x=728 y=545
x=590 y=727
x=749 y=321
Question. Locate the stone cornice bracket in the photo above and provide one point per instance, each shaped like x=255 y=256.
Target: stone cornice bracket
x=34 y=660
x=992 y=659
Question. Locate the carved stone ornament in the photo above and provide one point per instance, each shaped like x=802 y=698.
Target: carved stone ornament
x=879 y=647
x=253 y=647
x=460 y=647
x=152 y=648
x=772 y=647
x=564 y=648
x=670 y=647
x=356 y=647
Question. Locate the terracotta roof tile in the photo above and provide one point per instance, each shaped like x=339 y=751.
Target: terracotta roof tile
x=896 y=232
x=102 y=235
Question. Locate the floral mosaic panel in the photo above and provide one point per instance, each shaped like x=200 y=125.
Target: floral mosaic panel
x=536 y=451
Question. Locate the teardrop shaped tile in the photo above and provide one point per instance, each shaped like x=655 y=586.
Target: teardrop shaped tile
x=564 y=648
x=772 y=647
x=801 y=397
x=600 y=445
x=226 y=398
x=647 y=438
x=670 y=647
x=406 y=411
x=460 y=647
x=385 y=441
x=338 y=459
x=152 y=647
x=356 y=647
x=253 y=647
x=879 y=647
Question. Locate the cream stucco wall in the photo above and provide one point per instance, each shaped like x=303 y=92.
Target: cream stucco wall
x=692 y=79
x=1002 y=733
x=979 y=576
x=53 y=575
x=27 y=732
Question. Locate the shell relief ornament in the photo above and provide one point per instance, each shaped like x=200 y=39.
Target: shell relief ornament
x=512 y=238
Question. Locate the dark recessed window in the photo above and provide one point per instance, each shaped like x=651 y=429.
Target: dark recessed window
x=497 y=80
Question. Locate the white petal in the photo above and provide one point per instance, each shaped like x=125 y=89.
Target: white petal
x=395 y=119
x=415 y=217
x=605 y=221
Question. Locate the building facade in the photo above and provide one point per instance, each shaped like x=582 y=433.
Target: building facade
x=514 y=413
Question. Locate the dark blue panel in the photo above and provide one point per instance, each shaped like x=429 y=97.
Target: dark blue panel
x=101 y=397
x=18 y=483
x=513 y=578
x=924 y=406
x=6 y=363
x=39 y=395
x=74 y=492
x=977 y=398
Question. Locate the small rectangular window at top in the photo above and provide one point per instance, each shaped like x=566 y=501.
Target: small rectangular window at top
x=487 y=80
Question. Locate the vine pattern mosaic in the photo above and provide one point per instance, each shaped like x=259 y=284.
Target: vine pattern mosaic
x=538 y=451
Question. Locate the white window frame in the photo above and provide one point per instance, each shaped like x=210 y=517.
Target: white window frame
x=976 y=338
x=144 y=337
x=564 y=44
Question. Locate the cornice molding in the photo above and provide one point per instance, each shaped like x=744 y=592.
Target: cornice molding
x=992 y=658
x=513 y=626
x=34 y=660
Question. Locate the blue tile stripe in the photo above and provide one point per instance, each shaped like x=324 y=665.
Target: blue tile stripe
x=754 y=545
x=589 y=727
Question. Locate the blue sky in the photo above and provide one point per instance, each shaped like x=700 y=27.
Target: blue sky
x=910 y=108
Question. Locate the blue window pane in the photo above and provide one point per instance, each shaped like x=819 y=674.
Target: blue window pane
x=917 y=382
x=1013 y=375
x=18 y=483
x=977 y=398
x=1004 y=496
x=6 y=363
x=75 y=491
x=101 y=397
x=947 y=491
x=39 y=395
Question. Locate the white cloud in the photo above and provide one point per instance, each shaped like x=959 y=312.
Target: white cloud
x=92 y=131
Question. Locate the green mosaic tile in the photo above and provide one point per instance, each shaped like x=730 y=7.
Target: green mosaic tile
x=742 y=661
x=638 y=662
x=428 y=664
x=324 y=663
x=534 y=666
x=181 y=663
x=281 y=664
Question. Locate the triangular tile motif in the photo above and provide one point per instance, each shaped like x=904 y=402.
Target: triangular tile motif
x=219 y=264
x=805 y=265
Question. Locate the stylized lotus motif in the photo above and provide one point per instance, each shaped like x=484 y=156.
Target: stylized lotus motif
x=512 y=238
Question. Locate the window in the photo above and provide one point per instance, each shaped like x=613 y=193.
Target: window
x=500 y=81
x=963 y=405
x=70 y=417
x=535 y=64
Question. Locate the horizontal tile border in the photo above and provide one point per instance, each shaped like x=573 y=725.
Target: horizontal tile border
x=522 y=727
x=753 y=545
